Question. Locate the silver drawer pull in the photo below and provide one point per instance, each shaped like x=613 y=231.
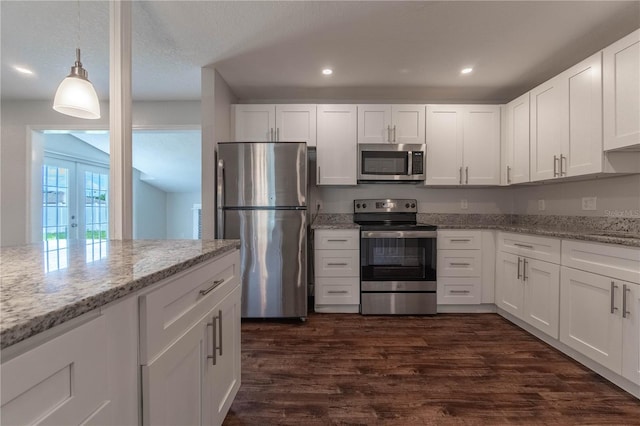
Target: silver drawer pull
x=210 y=289
x=459 y=264
x=459 y=291
x=613 y=296
x=460 y=240
x=337 y=292
x=625 y=289
x=523 y=245
x=337 y=241
x=337 y=264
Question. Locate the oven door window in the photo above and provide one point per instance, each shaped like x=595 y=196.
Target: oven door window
x=385 y=163
x=398 y=259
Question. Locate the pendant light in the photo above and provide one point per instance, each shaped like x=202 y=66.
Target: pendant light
x=76 y=95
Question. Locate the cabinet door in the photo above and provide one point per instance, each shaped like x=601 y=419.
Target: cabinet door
x=296 y=123
x=408 y=124
x=548 y=128
x=582 y=152
x=542 y=295
x=444 y=145
x=481 y=145
x=254 y=123
x=374 y=124
x=509 y=287
x=587 y=323
x=517 y=140
x=173 y=383
x=223 y=371
x=337 y=145
x=631 y=333
x=621 y=76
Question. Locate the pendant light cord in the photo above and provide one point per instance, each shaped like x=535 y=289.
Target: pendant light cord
x=78 y=27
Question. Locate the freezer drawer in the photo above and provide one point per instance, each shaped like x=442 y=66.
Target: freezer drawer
x=273 y=258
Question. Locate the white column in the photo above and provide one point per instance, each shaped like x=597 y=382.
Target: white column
x=208 y=81
x=120 y=189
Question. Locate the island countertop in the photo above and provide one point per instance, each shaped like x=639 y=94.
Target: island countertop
x=45 y=284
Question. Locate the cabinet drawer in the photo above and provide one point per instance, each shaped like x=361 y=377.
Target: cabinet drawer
x=337 y=263
x=167 y=312
x=541 y=248
x=459 y=291
x=459 y=263
x=459 y=239
x=605 y=259
x=337 y=291
x=337 y=239
x=63 y=381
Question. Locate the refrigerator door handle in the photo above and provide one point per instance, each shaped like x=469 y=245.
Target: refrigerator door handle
x=220 y=200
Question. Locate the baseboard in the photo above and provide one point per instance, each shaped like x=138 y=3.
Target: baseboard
x=485 y=308
x=337 y=309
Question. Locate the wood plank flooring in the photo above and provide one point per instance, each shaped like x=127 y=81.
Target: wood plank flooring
x=448 y=369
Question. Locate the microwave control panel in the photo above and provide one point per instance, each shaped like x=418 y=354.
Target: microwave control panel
x=417 y=163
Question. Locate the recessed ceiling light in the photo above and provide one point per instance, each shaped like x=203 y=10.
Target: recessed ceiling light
x=327 y=71
x=466 y=70
x=23 y=70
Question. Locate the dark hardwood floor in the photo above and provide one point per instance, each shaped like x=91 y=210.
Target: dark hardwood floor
x=447 y=369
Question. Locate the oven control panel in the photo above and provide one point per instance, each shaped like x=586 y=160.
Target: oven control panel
x=385 y=206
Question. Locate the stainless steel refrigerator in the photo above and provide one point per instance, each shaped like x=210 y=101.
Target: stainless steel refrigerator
x=262 y=200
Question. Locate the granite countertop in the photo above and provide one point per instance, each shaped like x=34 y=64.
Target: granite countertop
x=45 y=284
x=335 y=226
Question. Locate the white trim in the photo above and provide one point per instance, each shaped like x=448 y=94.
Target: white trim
x=67 y=157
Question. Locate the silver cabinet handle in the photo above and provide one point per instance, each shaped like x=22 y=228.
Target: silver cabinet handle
x=459 y=291
x=220 y=200
x=519 y=267
x=271 y=135
x=523 y=245
x=337 y=241
x=460 y=240
x=460 y=175
x=318 y=180
x=466 y=172
x=508 y=174
x=277 y=134
x=208 y=290
x=524 y=269
x=388 y=133
x=459 y=264
x=337 y=292
x=555 y=165
x=625 y=289
x=394 y=132
x=613 y=288
x=220 y=329
x=337 y=264
x=212 y=324
x=563 y=161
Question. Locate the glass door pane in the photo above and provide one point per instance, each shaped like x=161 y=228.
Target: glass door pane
x=94 y=216
x=58 y=200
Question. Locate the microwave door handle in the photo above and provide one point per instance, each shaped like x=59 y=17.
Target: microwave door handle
x=410 y=161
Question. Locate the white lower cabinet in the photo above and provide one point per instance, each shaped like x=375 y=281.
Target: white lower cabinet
x=459 y=261
x=60 y=382
x=509 y=285
x=337 y=270
x=631 y=333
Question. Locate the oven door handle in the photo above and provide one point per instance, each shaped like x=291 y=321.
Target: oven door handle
x=399 y=234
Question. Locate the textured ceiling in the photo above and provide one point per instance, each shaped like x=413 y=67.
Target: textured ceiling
x=402 y=51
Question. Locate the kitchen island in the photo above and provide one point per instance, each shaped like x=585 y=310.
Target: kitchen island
x=89 y=329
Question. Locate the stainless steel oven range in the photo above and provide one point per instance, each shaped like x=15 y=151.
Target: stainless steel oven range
x=397 y=259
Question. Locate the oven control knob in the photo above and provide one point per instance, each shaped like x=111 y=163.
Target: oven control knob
x=407 y=205
x=364 y=206
x=358 y=205
x=413 y=205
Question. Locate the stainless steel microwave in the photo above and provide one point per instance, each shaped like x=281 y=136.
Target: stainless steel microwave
x=391 y=162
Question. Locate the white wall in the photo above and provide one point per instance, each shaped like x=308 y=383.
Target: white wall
x=180 y=214
x=15 y=148
x=149 y=210
x=617 y=194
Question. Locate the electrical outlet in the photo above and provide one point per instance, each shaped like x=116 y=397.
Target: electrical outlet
x=541 y=205
x=589 y=203
x=464 y=204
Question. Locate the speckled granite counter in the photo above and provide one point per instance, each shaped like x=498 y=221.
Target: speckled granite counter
x=43 y=287
x=334 y=221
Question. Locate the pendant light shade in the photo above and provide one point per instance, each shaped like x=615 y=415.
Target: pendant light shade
x=75 y=95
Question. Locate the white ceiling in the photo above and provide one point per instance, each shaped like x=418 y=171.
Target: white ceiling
x=392 y=50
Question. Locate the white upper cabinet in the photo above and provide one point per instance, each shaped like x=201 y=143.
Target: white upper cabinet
x=274 y=123
x=566 y=123
x=621 y=73
x=463 y=145
x=337 y=147
x=517 y=140
x=391 y=124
